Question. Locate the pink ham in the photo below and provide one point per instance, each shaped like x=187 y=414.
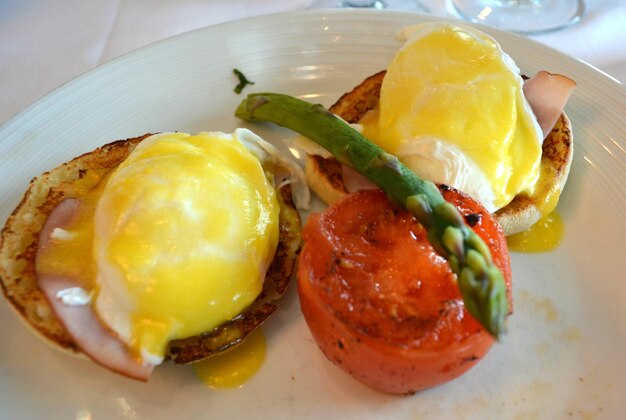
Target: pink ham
x=354 y=181
x=547 y=94
x=80 y=321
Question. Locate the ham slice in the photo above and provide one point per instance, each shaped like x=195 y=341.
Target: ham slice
x=80 y=321
x=354 y=181
x=547 y=94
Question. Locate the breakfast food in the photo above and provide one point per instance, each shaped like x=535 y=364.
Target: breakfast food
x=453 y=107
x=366 y=261
x=480 y=281
x=379 y=299
x=380 y=302
x=167 y=246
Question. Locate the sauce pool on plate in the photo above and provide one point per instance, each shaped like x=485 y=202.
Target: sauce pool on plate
x=236 y=366
x=544 y=236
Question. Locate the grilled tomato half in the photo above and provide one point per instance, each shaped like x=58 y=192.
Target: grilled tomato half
x=381 y=303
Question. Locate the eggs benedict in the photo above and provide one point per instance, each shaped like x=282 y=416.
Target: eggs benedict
x=169 y=246
x=454 y=108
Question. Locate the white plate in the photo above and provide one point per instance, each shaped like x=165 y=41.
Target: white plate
x=564 y=353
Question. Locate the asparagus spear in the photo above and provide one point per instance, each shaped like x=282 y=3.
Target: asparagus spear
x=480 y=281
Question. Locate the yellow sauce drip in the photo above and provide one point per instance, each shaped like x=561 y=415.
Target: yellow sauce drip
x=544 y=236
x=59 y=257
x=236 y=366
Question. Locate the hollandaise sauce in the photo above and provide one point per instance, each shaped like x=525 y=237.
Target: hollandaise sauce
x=452 y=109
x=545 y=235
x=233 y=368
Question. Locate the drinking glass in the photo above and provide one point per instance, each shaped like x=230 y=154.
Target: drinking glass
x=524 y=16
x=411 y=5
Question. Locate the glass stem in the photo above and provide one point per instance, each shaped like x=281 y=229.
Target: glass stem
x=373 y=4
x=521 y=3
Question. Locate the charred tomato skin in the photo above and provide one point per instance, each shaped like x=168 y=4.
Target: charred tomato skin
x=366 y=310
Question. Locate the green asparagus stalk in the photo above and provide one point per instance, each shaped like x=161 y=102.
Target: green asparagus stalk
x=480 y=281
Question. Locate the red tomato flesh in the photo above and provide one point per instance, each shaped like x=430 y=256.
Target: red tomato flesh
x=381 y=303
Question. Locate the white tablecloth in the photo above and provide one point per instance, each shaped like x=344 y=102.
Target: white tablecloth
x=45 y=43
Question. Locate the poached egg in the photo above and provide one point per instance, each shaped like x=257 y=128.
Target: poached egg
x=453 y=110
x=176 y=240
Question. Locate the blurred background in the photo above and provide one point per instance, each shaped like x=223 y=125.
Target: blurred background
x=46 y=43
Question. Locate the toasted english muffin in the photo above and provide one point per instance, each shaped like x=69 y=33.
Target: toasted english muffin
x=324 y=175
x=18 y=247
